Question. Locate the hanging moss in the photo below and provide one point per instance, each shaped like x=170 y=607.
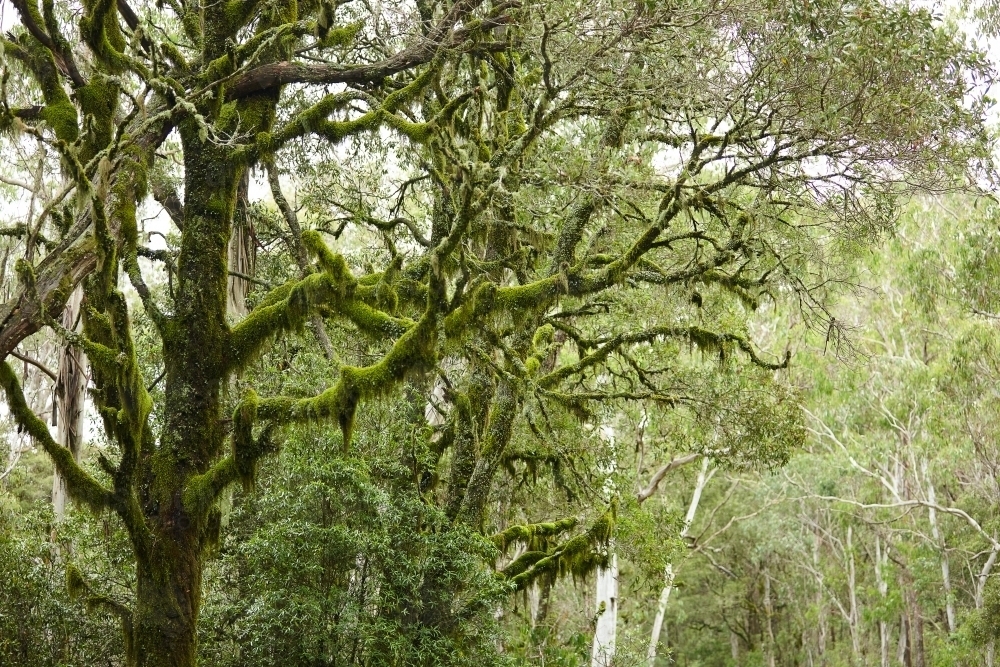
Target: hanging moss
x=413 y=351
x=578 y=556
x=76 y=585
x=101 y=31
x=529 y=534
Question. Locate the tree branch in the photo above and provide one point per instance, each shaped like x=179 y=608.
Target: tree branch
x=80 y=485
x=274 y=75
x=658 y=476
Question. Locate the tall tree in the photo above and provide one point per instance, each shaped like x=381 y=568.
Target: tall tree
x=575 y=195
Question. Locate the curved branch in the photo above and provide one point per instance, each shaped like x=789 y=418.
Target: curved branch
x=80 y=485
x=34 y=362
x=658 y=476
x=275 y=75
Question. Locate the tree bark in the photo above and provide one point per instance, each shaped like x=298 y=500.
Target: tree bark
x=769 y=646
x=821 y=611
x=606 y=597
x=853 y=619
x=881 y=557
x=168 y=598
x=169 y=565
x=70 y=405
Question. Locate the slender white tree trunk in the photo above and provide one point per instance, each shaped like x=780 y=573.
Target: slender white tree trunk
x=606 y=598
x=769 y=626
x=881 y=557
x=606 y=632
x=242 y=255
x=661 y=609
x=980 y=591
x=903 y=634
x=939 y=541
x=70 y=407
x=668 y=575
x=821 y=610
x=853 y=591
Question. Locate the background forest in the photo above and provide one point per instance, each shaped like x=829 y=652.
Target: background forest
x=495 y=333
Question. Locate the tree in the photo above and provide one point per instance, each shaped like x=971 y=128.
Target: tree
x=572 y=196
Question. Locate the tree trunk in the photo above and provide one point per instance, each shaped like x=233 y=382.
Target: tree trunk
x=768 y=625
x=940 y=543
x=853 y=591
x=606 y=598
x=606 y=632
x=881 y=555
x=668 y=575
x=661 y=608
x=169 y=562
x=168 y=597
x=70 y=406
x=904 y=656
x=915 y=622
x=242 y=253
x=821 y=611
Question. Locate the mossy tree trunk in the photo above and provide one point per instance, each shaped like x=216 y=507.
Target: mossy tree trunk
x=169 y=577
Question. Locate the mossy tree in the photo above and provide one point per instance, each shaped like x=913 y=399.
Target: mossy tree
x=583 y=194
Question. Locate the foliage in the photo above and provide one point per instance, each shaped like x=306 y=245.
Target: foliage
x=533 y=255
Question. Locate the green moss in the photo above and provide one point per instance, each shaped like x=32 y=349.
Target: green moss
x=76 y=585
x=101 y=31
x=62 y=118
x=578 y=556
x=414 y=350
x=529 y=534
x=79 y=484
x=337 y=37
x=98 y=99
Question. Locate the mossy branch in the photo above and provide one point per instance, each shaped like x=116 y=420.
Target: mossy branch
x=287 y=308
x=709 y=341
x=578 y=556
x=79 y=589
x=529 y=534
x=314 y=119
x=572 y=281
x=414 y=349
x=203 y=490
x=62 y=54
x=79 y=484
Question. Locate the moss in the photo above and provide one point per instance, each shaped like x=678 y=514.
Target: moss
x=101 y=31
x=76 y=585
x=414 y=350
x=62 y=118
x=98 y=100
x=529 y=534
x=578 y=556
x=79 y=484
x=337 y=37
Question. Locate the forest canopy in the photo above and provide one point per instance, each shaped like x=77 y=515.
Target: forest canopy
x=404 y=333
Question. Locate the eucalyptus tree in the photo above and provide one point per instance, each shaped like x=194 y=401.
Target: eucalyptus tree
x=577 y=196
